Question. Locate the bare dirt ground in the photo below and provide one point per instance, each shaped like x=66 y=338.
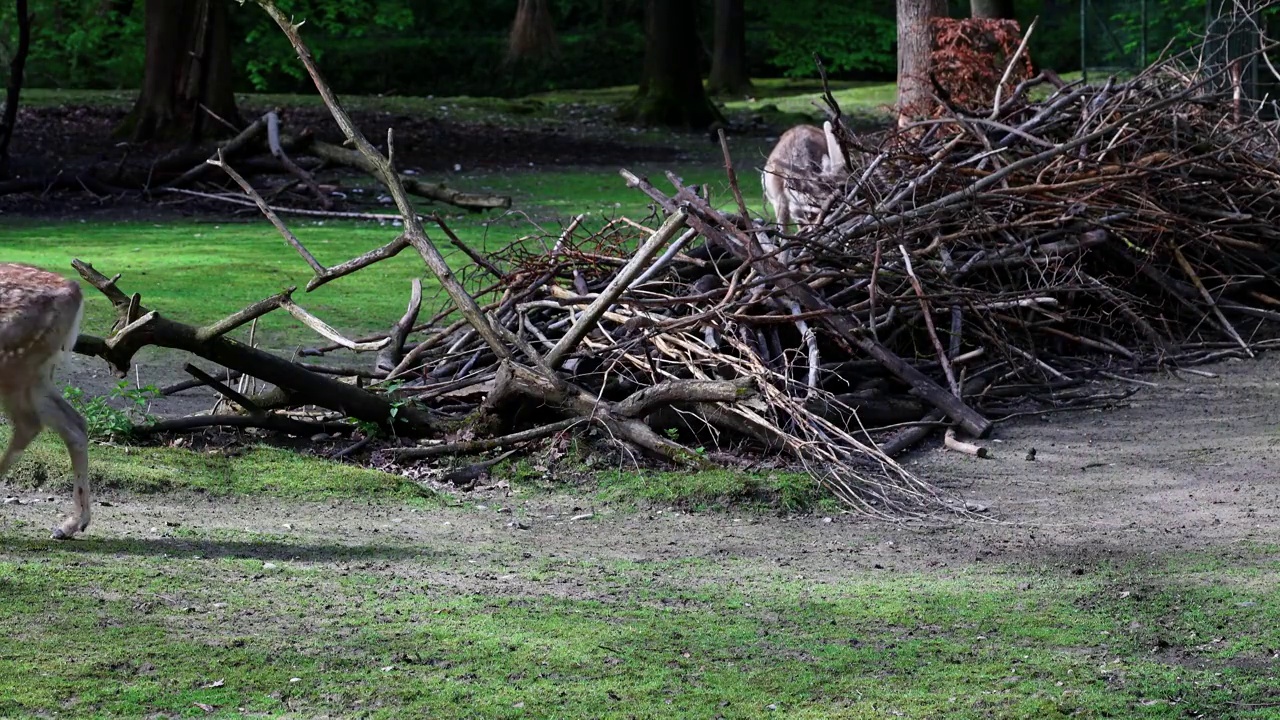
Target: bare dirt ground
x=75 y=139
x=1188 y=465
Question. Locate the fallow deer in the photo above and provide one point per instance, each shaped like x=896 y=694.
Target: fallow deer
x=800 y=170
x=40 y=316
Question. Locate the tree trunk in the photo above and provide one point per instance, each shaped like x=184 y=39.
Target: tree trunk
x=9 y=119
x=671 y=91
x=188 y=69
x=994 y=9
x=533 y=34
x=915 y=45
x=729 y=58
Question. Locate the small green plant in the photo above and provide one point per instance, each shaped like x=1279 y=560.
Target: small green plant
x=107 y=422
x=367 y=428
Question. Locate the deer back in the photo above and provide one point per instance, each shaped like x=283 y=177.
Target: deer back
x=799 y=154
x=39 y=317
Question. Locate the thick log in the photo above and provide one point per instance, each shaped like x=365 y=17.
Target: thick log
x=310 y=388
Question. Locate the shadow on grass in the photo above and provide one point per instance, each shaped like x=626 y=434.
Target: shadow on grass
x=223 y=549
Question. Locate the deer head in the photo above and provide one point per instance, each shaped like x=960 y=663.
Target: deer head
x=40 y=319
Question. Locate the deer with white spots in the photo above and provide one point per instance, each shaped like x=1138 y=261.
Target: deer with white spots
x=40 y=316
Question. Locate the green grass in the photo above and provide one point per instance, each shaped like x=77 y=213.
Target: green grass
x=114 y=629
x=252 y=470
x=697 y=490
x=198 y=272
x=805 y=97
x=717 y=490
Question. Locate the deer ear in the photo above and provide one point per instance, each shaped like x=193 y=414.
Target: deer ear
x=835 y=159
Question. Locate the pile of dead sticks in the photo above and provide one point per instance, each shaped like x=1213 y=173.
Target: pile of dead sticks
x=963 y=267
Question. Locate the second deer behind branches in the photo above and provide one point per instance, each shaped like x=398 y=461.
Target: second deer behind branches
x=801 y=173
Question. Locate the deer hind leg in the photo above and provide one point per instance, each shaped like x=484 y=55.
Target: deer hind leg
x=25 y=423
x=57 y=413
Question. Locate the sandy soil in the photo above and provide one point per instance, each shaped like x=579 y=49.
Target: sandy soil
x=1186 y=465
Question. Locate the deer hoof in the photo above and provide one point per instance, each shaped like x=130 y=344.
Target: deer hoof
x=67 y=530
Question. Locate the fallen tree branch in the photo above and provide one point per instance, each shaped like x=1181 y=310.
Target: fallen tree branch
x=230 y=149
x=389 y=356
x=431 y=191
x=497 y=338
x=309 y=387
x=277 y=151
x=475 y=446
x=250 y=406
x=272 y=422
x=325 y=331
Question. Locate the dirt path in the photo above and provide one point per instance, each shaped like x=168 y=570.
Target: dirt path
x=1187 y=465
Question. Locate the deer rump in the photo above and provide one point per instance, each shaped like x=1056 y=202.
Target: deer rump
x=801 y=172
x=40 y=314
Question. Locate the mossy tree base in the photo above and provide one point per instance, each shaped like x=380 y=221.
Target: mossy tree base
x=671 y=92
x=670 y=110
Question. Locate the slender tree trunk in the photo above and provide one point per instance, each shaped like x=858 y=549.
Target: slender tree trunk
x=671 y=91
x=17 y=68
x=188 y=70
x=729 y=57
x=533 y=34
x=994 y=9
x=915 y=45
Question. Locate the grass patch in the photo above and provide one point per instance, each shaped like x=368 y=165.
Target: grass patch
x=582 y=470
x=804 y=98
x=199 y=272
x=123 y=632
x=252 y=470
x=718 y=489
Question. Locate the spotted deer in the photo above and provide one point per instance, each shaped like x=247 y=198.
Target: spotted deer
x=800 y=171
x=39 y=320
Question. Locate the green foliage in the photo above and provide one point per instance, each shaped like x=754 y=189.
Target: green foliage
x=1115 y=39
x=105 y=420
x=77 y=44
x=267 y=55
x=855 y=38
x=444 y=48
x=456 y=47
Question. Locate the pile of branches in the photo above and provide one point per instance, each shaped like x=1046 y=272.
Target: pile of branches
x=968 y=264
x=1126 y=226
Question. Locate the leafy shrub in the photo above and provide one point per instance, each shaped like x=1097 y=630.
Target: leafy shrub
x=78 y=44
x=107 y=422
x=857 y=38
